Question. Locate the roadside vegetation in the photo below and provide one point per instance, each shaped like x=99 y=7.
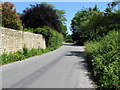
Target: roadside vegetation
x=104 y=57
x=22 y=54
x=99 y=32
x=52 y=37
x=42 y=19
x=53 y=41
x=69 y=39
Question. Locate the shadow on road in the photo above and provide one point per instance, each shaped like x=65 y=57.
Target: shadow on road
x=82 y=63
x=75 y=53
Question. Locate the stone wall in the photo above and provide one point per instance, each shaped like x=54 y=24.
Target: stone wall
x=14 y=40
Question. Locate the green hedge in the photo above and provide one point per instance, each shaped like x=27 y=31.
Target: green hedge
x=105 y=60
x=53 y=38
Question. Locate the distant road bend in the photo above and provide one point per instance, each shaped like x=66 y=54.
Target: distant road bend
x=62 y=68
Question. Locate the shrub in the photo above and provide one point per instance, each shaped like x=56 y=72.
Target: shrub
x=53 y=41
x=22 y=54
x=52 y=37
x=25 y=51
x=11 y=57
x=104 y=58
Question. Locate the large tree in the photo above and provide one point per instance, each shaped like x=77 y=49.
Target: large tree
x=79 y=22
x=41 y=15
x=90 y=24
x=10 y=18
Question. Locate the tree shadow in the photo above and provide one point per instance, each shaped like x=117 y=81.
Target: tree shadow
x=82 y=63
x=75 y=53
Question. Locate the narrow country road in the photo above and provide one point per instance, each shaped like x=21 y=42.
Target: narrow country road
x=62 y=68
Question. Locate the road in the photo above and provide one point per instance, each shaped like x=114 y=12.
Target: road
x=62 y=68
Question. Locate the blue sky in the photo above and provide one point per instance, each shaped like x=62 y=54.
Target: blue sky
x=70 y=8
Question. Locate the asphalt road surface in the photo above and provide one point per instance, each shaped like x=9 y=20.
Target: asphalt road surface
x=62 y=68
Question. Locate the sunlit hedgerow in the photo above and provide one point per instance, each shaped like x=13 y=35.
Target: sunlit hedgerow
x=104 y=59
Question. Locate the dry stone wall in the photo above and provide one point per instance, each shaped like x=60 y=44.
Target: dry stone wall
x=14 y=40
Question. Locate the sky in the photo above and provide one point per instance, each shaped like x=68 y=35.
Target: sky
x=70 y=8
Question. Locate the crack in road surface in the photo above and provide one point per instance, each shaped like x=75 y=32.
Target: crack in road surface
x=62 y=68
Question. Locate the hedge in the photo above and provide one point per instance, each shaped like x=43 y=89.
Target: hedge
x=104 y=57
x=53 y=38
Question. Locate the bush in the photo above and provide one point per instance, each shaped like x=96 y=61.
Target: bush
x=53 y=38
x=22 y=54
x=104 y=58
x=11 y=57
x=53 y=41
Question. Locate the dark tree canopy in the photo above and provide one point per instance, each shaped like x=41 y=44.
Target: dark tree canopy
x=41 y=15
x=113 y=4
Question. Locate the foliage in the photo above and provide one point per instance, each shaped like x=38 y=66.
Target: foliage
x=113 y=4
x=44 y=14
x=22 y=54
x=79 y=23
x=53 y=41
x=63 y=30
x=105 y=59
x=69 y=39
x=101 y=23
x=62 y=19
x=10 y=18
x=52 y=37
x=89 y=24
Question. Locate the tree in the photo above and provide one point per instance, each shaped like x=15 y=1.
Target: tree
x=108 y=10
x=10 y=18
x=41 y=15
x=69 y=38
x=113 y=4
x=62 y=19
x=61 y=15
x=89 y=24
x=79 y=23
